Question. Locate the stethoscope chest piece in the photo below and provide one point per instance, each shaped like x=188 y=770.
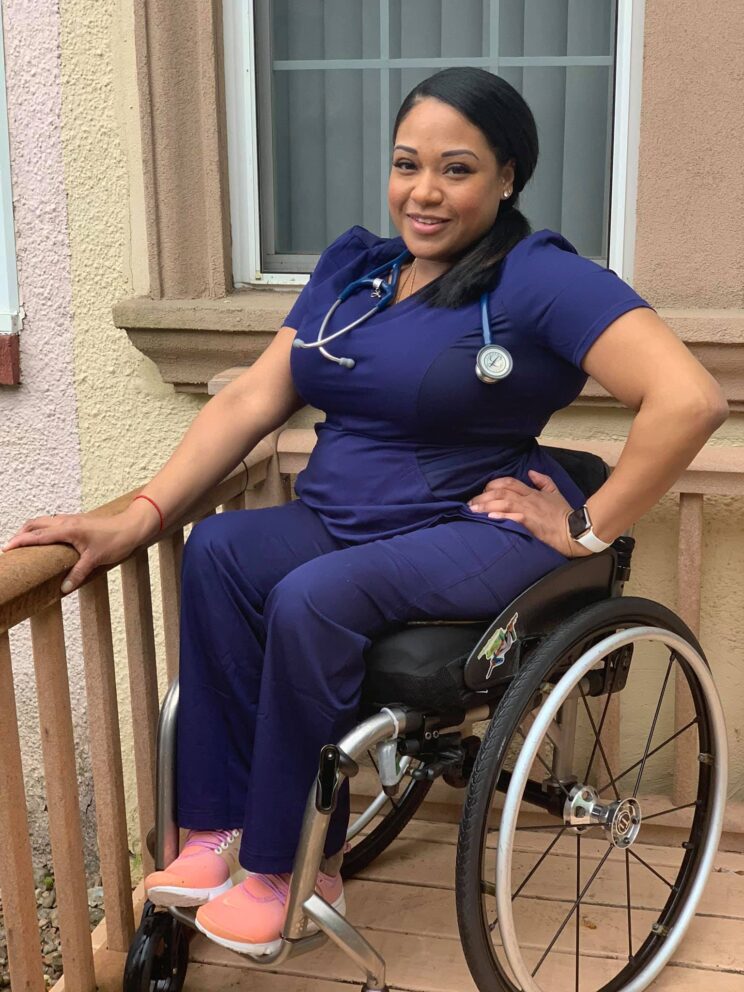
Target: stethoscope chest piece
x=493 y=363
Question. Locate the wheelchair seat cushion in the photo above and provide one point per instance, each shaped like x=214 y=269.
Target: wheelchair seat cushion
x=421 y=666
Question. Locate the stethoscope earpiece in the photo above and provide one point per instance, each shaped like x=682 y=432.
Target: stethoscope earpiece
x=492 y=364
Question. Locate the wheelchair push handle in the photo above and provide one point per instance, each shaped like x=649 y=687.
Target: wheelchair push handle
x=334 y=764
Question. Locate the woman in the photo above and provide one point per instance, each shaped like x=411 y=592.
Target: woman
x=427 y=494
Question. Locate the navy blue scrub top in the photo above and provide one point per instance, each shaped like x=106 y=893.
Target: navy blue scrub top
x=410 y=432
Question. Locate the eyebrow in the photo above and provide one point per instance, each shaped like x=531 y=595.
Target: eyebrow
x=455 y=151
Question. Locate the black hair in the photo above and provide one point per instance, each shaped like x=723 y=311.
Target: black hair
x=501 y=113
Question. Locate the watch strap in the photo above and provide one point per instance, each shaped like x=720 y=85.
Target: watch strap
x=590 y=541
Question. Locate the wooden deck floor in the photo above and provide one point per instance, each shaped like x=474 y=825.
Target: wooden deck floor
x=405 y=905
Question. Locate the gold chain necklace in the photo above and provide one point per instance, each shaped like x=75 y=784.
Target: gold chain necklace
x=410 y=277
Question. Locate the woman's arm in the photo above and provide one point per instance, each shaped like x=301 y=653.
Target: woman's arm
x=639 y=360
x=226 y=428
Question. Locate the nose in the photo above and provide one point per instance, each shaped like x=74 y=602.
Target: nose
x=426 y=190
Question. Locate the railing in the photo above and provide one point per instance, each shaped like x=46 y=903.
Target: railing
x=30 y=580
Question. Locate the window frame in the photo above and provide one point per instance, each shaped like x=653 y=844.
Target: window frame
x=239 y=25
x=11 y=312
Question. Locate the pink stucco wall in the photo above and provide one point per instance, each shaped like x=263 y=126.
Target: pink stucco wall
x=39 y=445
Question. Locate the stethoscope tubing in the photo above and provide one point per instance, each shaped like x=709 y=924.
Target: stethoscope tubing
x=386 y=293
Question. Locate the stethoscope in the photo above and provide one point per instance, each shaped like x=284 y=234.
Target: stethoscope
x=492 y=363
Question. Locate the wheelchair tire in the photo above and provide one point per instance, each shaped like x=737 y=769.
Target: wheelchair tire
x=554 y=670
x=400 y=810
x=159 y=954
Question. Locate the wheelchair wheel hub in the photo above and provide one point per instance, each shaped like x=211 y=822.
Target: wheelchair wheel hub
x=621 y=819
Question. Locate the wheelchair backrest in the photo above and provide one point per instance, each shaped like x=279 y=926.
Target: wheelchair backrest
x=588 y=471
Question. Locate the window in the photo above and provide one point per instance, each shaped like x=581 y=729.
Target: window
x=10 y=312
x=313 y=87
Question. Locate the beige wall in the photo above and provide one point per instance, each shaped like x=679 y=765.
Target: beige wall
x=129 y=420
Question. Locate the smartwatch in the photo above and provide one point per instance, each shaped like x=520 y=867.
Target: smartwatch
x=580 y=529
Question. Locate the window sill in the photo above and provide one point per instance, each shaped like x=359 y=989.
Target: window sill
x=192 y=341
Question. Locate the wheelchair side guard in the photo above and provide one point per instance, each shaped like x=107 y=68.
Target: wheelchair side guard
x=497 y=656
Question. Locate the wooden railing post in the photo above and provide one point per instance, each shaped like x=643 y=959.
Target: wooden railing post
x=60 y=775
x=170 y=553
x=108 y=776
x=143 y=683
x=689 y=581
x=16 y=868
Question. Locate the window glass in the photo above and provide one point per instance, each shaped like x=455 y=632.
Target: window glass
x=332 y=73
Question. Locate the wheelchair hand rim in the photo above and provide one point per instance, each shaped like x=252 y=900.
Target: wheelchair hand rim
x=520 y=775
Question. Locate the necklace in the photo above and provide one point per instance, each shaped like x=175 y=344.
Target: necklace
x=410 y=277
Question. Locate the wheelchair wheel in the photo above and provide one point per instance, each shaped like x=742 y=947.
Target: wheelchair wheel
x=387 y=815
x=159 y=954
x=571 y=885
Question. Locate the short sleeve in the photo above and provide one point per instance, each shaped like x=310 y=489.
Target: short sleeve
x=567 y=299
x=334 y=256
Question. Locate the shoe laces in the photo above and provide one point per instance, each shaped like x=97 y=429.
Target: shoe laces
x=279 y=884
x=216 y=841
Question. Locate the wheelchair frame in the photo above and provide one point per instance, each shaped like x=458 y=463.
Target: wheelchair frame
x=544 y=608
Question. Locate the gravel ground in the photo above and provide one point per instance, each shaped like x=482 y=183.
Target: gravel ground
x=46 y=909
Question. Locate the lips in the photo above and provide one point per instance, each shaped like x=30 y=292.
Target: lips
x=426 y=225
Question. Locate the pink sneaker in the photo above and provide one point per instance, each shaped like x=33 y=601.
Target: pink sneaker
x=249 y=918
x=202 y=870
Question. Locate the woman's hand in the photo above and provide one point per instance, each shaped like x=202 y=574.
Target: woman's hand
x=98 y=540
x=542 y=510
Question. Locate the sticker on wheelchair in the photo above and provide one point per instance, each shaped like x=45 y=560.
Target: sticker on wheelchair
x=497 y=647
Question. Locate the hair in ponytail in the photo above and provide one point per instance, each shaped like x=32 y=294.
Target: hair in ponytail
x=501 y=113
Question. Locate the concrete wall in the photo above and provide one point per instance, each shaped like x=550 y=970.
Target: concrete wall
x=92 y=417
x=40 y=468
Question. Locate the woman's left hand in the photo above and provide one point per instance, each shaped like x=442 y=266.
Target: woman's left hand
x=541 y=510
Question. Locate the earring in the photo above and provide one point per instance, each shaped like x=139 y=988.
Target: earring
x=507 y=193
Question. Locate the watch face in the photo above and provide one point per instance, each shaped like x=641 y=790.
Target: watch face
x=578 y=522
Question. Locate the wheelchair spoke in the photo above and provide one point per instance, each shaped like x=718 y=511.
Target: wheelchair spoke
x=672 y=809
x=630 y=911
x=573 y=909
x=598 y=740
x=543 y=856
x=537 y=829
x=658 y=748
x=653 y=725
x=647 y=865
x=547 y=767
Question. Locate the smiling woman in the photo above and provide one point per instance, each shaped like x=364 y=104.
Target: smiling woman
x=426 y=496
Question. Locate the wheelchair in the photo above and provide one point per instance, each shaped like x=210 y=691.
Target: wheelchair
x=561 y=810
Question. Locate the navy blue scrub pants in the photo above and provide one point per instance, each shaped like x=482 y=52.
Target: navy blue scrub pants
x=275 y=619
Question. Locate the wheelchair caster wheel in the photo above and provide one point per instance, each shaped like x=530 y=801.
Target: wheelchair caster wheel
x=159 y=954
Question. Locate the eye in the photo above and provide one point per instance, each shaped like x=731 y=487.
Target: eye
x=404 y=164
x=458 y=169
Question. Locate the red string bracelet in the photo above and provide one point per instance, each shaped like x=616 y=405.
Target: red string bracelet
x=149 y=500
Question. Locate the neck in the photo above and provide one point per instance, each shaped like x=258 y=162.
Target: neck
x=427 y=270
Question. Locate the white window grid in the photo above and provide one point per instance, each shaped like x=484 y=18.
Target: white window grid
x=242 y=125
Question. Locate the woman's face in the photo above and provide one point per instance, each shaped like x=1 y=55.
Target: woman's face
x=445 y=182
